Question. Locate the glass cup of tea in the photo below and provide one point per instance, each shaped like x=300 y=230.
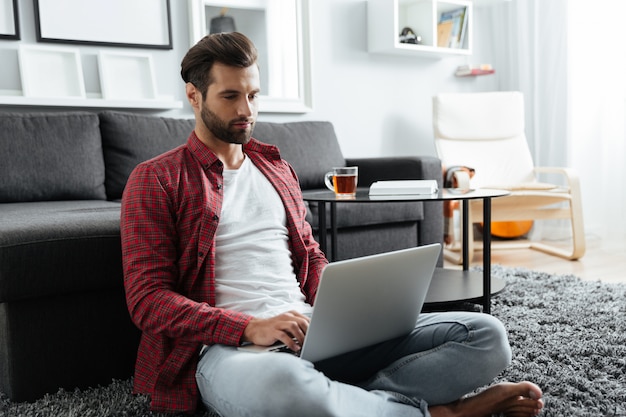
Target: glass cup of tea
x=342 y=180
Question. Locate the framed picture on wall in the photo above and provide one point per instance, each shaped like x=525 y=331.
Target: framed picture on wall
x=126 y=23
x=9 y=20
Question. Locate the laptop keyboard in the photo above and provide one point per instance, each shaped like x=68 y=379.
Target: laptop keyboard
x=284 y=349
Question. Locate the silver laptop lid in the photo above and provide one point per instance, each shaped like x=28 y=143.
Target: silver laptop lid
x=364 y=301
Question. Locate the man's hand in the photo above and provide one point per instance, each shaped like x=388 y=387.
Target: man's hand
x=288 y=328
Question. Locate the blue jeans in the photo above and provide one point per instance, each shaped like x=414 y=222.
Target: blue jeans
x=446 y=356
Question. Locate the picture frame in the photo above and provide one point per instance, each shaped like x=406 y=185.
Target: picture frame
x=9 y=20
x=105 y=23
x=127 y=76
x=63 y=75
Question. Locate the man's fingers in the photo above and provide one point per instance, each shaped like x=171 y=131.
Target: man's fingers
x=288 y=328
x=294 y=326
x=294 y=331
x=290 y=342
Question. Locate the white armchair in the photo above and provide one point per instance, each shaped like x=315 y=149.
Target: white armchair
x=485 y=131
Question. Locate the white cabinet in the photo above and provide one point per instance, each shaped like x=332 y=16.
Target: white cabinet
x=387 y=18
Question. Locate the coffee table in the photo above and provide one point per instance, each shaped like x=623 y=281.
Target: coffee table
x=448 y=285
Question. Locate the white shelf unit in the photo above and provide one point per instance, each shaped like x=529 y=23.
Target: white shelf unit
x=387 y=18
x=15 y=98
x=52 y=77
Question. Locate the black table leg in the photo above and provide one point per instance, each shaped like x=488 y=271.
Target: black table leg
x=464 y=231
x=487 y=255
x=333 y=231
x=321 y=225
x=486 y=248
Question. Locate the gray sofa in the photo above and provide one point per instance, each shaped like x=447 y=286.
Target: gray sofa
x=63 y=316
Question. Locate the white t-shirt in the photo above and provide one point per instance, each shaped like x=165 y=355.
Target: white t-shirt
x=254 y=270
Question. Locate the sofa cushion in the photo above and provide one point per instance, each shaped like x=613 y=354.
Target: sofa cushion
x=59 y=247
x=310 y=147
x=129 y=139
x=50 y=156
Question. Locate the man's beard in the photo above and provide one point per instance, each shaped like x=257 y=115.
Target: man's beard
x=222 y=129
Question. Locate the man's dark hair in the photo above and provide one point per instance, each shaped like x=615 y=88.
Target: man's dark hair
x=233 y=49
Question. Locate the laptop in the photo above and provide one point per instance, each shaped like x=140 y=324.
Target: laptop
x=364 y=301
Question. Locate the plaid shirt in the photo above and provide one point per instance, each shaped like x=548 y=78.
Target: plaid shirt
x=170 y=212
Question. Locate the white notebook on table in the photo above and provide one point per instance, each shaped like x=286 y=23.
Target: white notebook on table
x=404 y=187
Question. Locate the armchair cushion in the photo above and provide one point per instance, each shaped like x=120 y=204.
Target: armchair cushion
x=475 y=117
x=484 y=131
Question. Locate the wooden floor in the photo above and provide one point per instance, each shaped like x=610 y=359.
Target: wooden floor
x=604 y=261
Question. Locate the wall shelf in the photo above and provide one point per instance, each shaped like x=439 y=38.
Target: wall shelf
x=474 y=70
x=386 y=19
x=14 y=98
x=474 y=73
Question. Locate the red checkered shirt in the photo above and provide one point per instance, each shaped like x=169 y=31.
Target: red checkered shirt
x=170 y=212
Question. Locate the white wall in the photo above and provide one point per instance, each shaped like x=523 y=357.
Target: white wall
x=379 y=105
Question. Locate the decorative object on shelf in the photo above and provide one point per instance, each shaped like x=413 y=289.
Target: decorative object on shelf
x=127 y=76
x=408 y=36
x=9 y=20
x=474 y=70
x=51 y=72
x=105 y=22
x=222 y=23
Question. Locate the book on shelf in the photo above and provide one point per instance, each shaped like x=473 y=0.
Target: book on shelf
x=458 y=22
x=473 y=70
x=403 y=187
x=463 y=32
x=444 y=29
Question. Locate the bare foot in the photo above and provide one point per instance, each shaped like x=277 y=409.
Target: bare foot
x=522 y=399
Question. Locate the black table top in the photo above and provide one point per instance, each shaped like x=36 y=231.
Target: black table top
x=362 y=196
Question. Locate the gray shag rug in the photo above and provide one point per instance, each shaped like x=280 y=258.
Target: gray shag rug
x=567 y=335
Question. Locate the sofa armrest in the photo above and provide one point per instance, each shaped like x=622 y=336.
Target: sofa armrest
x=402 y=168
x=397 y=168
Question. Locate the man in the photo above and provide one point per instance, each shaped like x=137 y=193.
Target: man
x=217 y=252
